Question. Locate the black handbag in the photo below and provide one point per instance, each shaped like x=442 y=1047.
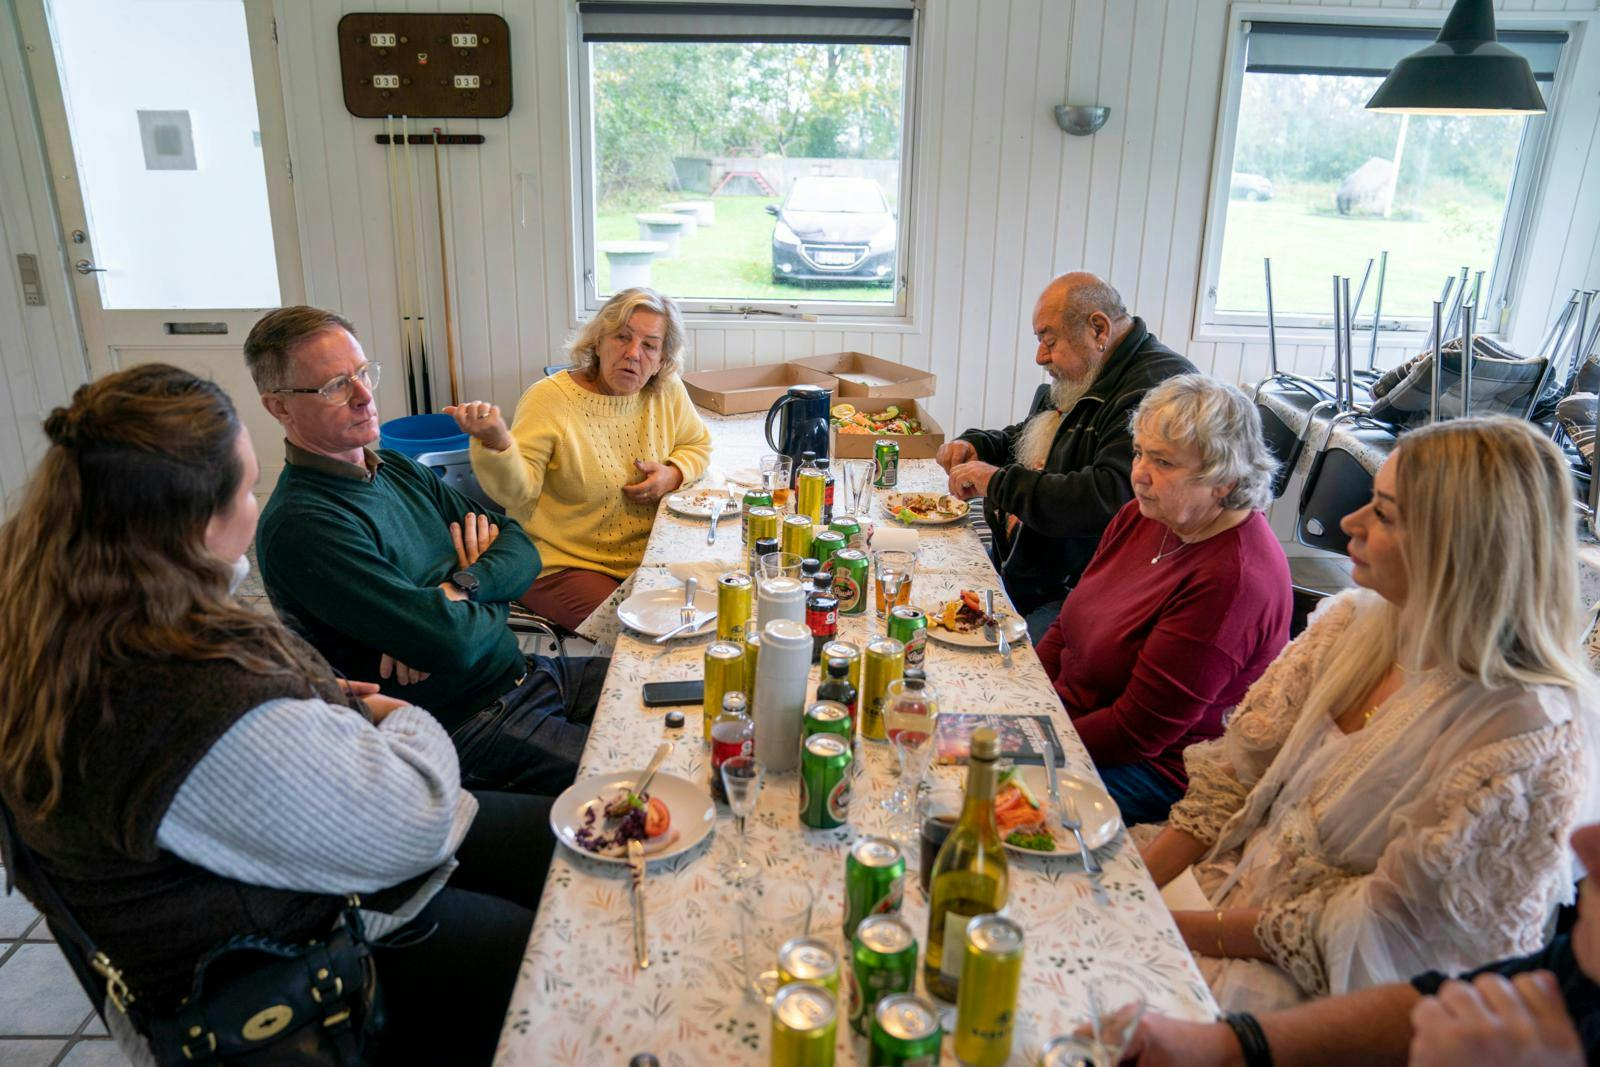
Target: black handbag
x=255 y=1000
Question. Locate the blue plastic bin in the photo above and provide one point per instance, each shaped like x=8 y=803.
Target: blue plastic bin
x=418 y=434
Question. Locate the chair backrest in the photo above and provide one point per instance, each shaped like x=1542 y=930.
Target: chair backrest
x=1503 y=383
x=455 y=470
x=1339 y=482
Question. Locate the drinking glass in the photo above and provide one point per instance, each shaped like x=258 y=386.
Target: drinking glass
x=858 y=475
x=1109 y=1031
x=742 y=777
x=771 y=911
x=778 y=565
x=775 y=475
x=937 y=811
x=910 y=719
x=894 y=569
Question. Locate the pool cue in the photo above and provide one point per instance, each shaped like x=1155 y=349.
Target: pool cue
x=444 y=277
x=424 y=303
x=401 y=310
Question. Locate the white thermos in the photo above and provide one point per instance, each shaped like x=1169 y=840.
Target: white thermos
x=780 y=692
x=780 y=598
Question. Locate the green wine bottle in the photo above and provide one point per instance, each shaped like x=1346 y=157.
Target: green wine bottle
x=969 y=875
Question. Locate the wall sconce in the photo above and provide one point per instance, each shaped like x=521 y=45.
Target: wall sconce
x=1080 y=120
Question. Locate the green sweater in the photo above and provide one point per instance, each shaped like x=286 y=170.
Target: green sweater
x=353 y=557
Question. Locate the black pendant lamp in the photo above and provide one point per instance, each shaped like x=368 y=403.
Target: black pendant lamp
x=1465 y=71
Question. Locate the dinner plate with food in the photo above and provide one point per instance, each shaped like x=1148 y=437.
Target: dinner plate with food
x=925 y=509
x=700 y=503
x=1027 y=824
x=598 y=816
x=961 y=622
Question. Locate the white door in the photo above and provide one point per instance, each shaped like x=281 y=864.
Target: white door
x=164 y=124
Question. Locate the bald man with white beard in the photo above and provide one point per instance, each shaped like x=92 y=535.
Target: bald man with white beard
x=1051 y=483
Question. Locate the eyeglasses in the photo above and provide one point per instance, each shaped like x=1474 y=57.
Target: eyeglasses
x=338 y=390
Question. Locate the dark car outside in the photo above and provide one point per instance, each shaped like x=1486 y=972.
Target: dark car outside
x=834 y=229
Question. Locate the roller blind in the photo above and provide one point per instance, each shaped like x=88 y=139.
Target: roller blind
x=621 y=20
x=1372 y=51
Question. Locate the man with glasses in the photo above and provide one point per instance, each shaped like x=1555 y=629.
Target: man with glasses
x=1051 y=483
x=397 y=578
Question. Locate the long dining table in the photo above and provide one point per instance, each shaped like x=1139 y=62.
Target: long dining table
x=580 y=999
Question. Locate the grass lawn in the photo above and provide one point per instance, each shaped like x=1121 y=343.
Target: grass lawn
x=1309 y=246
x=731 y=260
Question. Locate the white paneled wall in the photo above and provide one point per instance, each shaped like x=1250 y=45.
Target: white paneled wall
x=1002 y=200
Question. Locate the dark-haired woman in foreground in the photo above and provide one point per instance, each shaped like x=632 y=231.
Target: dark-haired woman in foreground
x=185 y=769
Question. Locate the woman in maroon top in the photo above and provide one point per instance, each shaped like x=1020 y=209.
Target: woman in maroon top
x=1186 y=600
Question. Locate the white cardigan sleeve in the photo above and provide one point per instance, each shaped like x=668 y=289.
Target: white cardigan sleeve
x=1473 y=886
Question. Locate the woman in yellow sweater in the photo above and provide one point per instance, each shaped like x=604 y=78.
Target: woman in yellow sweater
x=592 y=450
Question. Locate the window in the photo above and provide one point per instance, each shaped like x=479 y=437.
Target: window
x=745 y=158
x=1312 y=180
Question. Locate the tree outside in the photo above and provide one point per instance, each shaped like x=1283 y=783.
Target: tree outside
x=1316 y=188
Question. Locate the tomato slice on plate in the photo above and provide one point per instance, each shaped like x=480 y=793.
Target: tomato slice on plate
x=656 y=818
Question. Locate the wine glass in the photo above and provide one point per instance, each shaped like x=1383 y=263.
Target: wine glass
x=742 y=777
x=910 y=720
x=894 y=568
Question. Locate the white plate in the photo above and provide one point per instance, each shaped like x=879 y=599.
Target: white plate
x=1016 y=633
x=697 y=503
x=1097 y=811
x=655 y=612
x=891 y=507
x=690 y=805
x=748 y=477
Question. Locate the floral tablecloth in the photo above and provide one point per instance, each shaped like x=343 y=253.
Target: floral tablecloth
x=579 y=998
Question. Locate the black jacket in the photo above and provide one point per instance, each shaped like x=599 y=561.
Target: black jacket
x=1065 y=507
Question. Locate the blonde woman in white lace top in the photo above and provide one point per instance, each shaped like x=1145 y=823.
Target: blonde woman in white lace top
x=1393 y=795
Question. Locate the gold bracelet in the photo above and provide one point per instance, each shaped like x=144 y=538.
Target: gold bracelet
x=1221 y=952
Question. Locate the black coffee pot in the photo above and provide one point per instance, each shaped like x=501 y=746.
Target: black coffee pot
x=802 y=416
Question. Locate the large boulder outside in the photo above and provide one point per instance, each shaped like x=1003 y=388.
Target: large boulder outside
x=1363 y=191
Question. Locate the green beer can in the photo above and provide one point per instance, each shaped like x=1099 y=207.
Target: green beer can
x=809 y=959
x=886 y=458
x=805 y=1025
x=909 y=626
x=824 y=544
x=883 y=961
x=827 y=717
x=753 y=498
x=825 y=781
x=850 y=583
x=986 y=1004
x=874 y=881
x=848 y=525
x=905 y=1033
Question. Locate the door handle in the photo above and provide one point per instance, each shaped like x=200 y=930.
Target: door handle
x=83 y=266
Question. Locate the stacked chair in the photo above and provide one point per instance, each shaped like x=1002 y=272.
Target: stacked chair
x=1569 y=408
x=1465 y=375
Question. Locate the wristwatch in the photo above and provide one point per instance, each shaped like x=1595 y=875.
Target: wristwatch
x=467 y=582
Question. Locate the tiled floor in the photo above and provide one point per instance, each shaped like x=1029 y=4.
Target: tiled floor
x=45 y=1019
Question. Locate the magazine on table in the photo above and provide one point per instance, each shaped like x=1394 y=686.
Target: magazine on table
x=1023 y=738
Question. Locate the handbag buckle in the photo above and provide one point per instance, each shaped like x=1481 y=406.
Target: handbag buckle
x=117 y=990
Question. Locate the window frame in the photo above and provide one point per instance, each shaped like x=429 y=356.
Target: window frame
x=585 y=275
x=1528 y=180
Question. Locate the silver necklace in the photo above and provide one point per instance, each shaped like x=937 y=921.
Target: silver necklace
x=1162 y=553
